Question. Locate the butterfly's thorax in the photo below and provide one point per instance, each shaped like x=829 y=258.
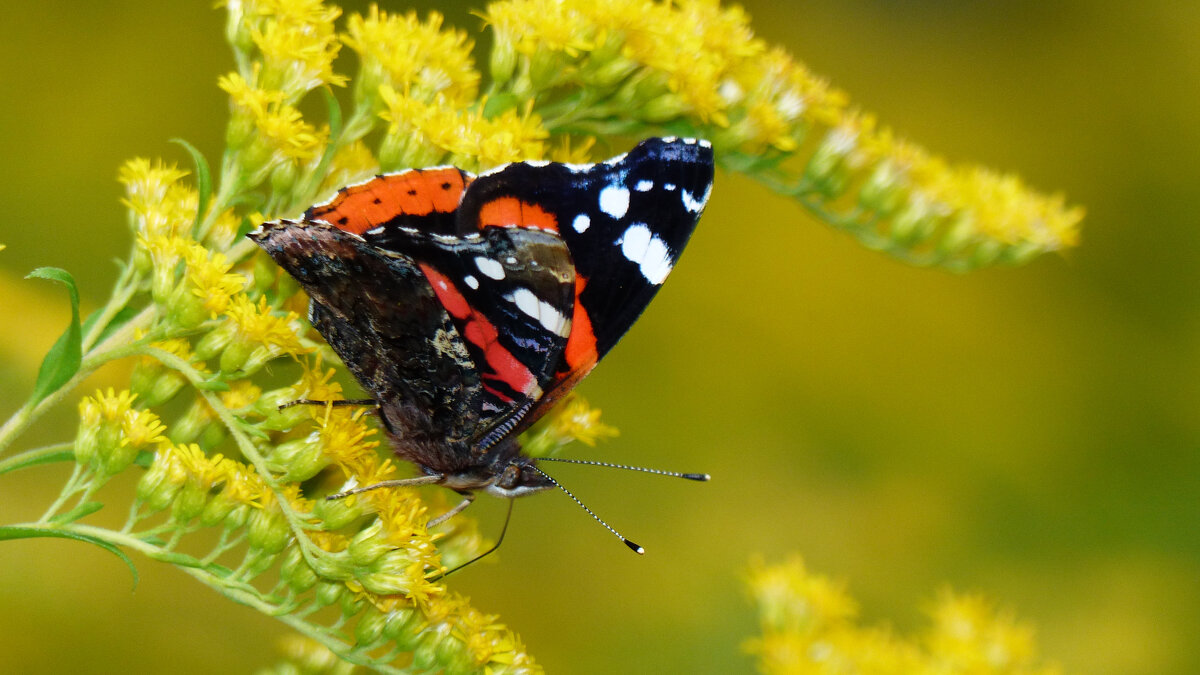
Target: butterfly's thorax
x=466 y=306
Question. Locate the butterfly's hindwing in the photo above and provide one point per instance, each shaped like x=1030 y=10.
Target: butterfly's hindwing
x=380 y=315
x=510 y=294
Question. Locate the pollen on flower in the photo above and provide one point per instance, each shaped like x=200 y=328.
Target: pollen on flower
x=409 y=55
x=345 y=439
x=210 y=277
x=580 y=422
x=141 y=428
x=241 y=394
x=256 y=324
x=158 y=204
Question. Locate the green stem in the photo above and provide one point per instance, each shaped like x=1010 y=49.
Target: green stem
x=248 y=449
x=70 y=488
x=215 y=577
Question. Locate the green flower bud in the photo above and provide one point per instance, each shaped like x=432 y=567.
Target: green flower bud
x=295 y=571
x=329 y=592
x=827 y=170
x=884 y=190
x=402 y=627
x=118 y=458
x=236 y=353
x=268 y=531
x=214 y=342
x=663 y=108
x=338 y=513
x=368 y=545
x=369 y=629
x=503 y=61
x=158 y=486
x=184 y=308
x=425 y=656
x=189 y=503
x=193 y=423
x=351 y=604
x=298 y=459
x=153 y=383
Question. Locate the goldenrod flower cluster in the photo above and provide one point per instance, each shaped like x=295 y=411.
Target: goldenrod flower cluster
x=693 y=67
x=219 y=347
x=808 y=625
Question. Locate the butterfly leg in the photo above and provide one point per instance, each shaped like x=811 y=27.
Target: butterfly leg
x=402 y=482
x=336 y=404
x=468 y=497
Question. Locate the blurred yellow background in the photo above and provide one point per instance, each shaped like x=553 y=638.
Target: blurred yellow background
x=1030 y=433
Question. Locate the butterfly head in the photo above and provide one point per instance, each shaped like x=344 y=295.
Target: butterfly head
x=518 y=477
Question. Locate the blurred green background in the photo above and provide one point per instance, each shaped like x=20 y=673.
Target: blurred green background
x=1029 y=433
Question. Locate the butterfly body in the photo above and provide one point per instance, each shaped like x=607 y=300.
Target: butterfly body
x=467 y=306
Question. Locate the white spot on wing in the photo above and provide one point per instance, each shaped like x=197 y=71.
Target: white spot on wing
x=471 y=281
x=615 y=160
x=644 y=185
x=614 y=200
x=694 y=204
x=581 y=223
x=639 y=245
x=490 y=268
x=537 y=163
x=669 y=187
x=550 y=318
x=376 y=230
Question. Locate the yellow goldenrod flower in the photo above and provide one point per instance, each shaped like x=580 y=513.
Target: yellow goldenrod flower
x=295 y=39
x=970 y=635
x=808 y=627
x=577 y=421
x=267 y=133
x=259 y=335
x=211 y=279
x=241 y=394
x=158 y=205
x=111 y=432
x=421 y=132
x=345 y=440
x=420 y=59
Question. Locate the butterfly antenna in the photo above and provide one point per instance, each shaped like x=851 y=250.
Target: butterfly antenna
x=702 y=477
x=632 y=546
x=481 y=556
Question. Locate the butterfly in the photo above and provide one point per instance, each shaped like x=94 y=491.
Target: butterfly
x=467 y=306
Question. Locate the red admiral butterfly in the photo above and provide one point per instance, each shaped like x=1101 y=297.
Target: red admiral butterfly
x=468 y=305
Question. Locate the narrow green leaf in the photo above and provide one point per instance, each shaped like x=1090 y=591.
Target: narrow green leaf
x=333 y=110
x=19 y=532
x=82 y=511
x=203 y=179
x=62 y=361
x=35 y=459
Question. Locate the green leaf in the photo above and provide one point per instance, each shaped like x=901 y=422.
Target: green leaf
x=19 y=532
x=82 y=511
x=62 y=361
x=203 y=179
x=333 y=110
